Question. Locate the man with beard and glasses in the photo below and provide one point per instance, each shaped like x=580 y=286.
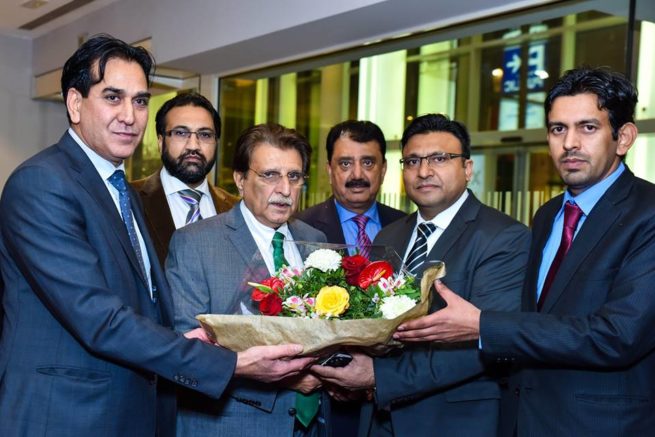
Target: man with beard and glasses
x=188 y=128
x=208 y=267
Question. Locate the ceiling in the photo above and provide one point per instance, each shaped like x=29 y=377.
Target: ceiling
x=32 y=18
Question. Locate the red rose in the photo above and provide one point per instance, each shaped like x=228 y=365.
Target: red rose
x=373 y=272
x=271 y=305
x=353 y=265
x=275 y=284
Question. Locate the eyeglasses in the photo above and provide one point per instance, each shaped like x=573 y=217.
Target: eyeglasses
x=272 y=177
x=183 y=135
x=438 y=159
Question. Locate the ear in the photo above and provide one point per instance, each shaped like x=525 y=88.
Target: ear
x=627 y=137
x=328 y=168
x=468 y=169
x=239 y=179
x=160 y=143
x=73 y=103
x=384 y=169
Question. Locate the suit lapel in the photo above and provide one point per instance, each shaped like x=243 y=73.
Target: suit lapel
x=331 y=225
x=240 y=236
x=92 y=183
x=155 y=200
x=604 y=214
x=466 y=214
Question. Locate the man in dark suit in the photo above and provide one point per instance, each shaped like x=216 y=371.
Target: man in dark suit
x=188 y=128
x=356 y=166
x=584 y=345
x=429 y=390
x=87 y=317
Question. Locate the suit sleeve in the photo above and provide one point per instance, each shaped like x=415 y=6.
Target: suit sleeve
x=617 y=334
x=496 y=284
x=45 y=231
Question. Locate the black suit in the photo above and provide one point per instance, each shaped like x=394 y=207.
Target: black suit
x=436 y=390
x=325 y=218
x=588 y=359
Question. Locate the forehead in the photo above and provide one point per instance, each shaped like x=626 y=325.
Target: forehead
x=267 y=156
x=432 y=142
x=578 y=107
x=345 y=146
x=189 y=116
x=123 y=75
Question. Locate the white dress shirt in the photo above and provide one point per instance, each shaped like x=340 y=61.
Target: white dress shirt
x=179 y=208
x=441 y=221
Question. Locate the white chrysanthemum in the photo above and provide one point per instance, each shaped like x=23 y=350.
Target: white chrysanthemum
x=393 y=306
x=324 y=260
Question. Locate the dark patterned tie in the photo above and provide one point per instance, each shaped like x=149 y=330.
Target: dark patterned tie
x=419 y=251
x=572 y=214
x=118 y=181
x=363 y=242
x=192 y=198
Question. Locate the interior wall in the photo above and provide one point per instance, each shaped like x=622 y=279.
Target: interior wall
x=26 y=126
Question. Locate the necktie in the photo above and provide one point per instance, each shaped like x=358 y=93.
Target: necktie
x=363 y=242
x=572 y=214
x=279 y=260
x=192 y=198
x=118 y=181
x=419 y=251
x=306 y=405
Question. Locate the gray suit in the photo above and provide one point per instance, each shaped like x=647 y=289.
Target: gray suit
x=435 y=390
x=208 y=265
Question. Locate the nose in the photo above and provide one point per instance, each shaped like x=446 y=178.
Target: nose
x=424 y=169
x=357 y=170
x=283 y=187
x=193 y=142
x=126 y=114
x=571 y=141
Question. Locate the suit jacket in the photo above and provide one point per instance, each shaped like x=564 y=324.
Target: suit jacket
x=158 y=214
x=437 y=390
x=325 y=218
x=82 y=341
x=208 y=266
x=588 y=359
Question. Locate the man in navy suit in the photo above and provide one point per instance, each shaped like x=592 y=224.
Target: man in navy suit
x=87 y=340
x=584 y=345
x=426 y=390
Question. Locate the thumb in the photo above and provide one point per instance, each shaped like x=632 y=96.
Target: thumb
x=446 y=293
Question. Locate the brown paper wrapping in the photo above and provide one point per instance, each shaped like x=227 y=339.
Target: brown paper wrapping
x=240 y=332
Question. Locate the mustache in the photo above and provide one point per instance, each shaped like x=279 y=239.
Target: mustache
x=276 y=198
x=572 y=154
x=358 y=183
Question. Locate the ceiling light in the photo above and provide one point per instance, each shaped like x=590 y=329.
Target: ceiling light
x=34 y=4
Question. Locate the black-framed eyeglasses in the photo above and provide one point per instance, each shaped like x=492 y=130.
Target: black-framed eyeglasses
x=183 y=135
x=437 y=159
x=273 y=177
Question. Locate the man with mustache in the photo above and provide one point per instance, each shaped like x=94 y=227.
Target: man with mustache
x=356 y=166
x=210 y=263
x=583 y=345
x=188 y=128
x=424 y=390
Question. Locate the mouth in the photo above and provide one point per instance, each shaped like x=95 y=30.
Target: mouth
x=572 y=163
x=126 y=135
x=426 y=187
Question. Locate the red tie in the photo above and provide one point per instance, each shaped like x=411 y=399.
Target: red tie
x=572 y=214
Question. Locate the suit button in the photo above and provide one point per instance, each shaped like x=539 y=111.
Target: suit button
x=292 y=411
x=517 y=391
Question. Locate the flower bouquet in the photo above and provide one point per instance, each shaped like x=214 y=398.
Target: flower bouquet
x=332 y=300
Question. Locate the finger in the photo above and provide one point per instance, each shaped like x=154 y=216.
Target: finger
x=420 y=323
x=284 y=350
x=324 y=371
x=446 y=293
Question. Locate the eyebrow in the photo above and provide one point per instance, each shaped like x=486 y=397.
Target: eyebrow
x=577 y=123
x=121 y=92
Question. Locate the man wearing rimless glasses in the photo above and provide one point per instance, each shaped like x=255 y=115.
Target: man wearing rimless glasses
x=451 y=390
x=208 y=267
x=188 y=128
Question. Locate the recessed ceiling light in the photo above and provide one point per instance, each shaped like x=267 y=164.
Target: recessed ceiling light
x=34 y=4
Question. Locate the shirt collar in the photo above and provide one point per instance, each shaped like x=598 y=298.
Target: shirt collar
x=589 y=197
x=104 y=167
x=443 y=219
x=346 y=214
x=172 y=184
x=261 y=228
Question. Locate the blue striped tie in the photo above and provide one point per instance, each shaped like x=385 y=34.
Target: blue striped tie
x=419 y=251
x=192 y=198
x=118 y=181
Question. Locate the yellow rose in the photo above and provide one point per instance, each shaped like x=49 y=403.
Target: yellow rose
x=332 y=301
